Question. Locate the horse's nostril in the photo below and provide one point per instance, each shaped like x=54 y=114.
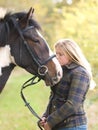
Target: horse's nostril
x=55 y=79
x=58 y=74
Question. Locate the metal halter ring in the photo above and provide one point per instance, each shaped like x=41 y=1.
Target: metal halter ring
x=42 y=70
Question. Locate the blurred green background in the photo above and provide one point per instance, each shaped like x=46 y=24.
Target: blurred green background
x=75 y=19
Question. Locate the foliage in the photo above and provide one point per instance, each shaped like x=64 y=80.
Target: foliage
x=77 y=21
x=13 y=113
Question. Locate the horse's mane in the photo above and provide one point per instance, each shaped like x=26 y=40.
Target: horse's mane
x=8 y=22
x=20 y=15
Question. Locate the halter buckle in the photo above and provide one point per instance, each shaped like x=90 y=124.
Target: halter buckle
x=42 y=70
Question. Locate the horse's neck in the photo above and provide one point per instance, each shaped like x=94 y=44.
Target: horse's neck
x=3 y=34
x=6 y=71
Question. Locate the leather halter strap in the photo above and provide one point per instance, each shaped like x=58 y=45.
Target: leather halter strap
x=40 y=65
x=34 y=56
x=26 y=84
x=32 y=52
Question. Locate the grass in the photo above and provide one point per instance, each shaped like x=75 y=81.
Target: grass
x=15 y=116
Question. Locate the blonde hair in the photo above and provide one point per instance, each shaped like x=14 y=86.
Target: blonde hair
x=75 y=53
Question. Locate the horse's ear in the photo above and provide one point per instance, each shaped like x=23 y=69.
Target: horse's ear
x=30 y=13
x=24 y=20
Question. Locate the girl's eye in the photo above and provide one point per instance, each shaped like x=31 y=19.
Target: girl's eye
x=59 y=54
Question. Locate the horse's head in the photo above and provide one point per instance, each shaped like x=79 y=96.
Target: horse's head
x=29 y=49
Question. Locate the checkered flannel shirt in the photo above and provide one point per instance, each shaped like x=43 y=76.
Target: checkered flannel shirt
x=65 y=108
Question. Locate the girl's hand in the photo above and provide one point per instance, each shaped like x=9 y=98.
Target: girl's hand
x=43 y=120
x=46 y=126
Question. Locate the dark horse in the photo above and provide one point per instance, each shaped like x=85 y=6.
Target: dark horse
x=22 y=45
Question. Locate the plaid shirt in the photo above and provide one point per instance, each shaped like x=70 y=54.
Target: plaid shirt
x=65 y=108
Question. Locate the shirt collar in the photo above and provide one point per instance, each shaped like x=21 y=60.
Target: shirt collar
x=72 y=65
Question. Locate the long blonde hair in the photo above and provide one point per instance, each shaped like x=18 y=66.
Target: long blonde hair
x=75 y=53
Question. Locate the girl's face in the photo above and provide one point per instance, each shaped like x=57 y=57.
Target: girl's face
x=63 y=58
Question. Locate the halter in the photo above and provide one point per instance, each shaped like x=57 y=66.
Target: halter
x=42 y=70
x=31 y=51
x=41 y=66
x=26 y=84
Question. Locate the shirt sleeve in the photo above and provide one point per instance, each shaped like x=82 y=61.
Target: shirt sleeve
x=46 y=113
x=78 y=88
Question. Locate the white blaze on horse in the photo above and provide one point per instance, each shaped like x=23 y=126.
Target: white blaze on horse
x=21 y=44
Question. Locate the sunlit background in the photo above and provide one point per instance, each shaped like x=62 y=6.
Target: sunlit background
x=75 y=19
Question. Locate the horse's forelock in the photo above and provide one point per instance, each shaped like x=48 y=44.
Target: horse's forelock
x=32 y=21
x=10 y=21
x=18 y=16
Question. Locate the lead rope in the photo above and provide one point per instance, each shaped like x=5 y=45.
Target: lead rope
x=26 y=84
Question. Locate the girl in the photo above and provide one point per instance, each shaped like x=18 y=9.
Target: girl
x=65 y=110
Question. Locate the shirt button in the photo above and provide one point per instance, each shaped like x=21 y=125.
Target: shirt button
x=54 y=106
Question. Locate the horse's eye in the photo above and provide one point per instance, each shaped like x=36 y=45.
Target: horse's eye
x=35 y=40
